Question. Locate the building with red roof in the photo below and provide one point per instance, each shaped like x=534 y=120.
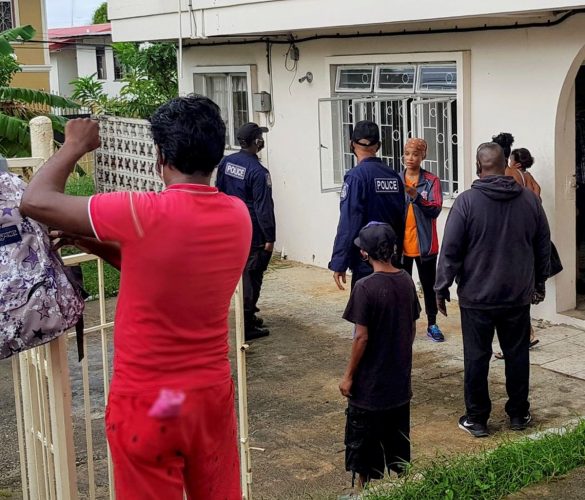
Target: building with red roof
x=84 y=51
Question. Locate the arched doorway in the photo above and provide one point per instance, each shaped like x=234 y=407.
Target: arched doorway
x=569 y=217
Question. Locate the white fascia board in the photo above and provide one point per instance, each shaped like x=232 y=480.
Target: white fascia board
x=242 y=17
x=123 y=9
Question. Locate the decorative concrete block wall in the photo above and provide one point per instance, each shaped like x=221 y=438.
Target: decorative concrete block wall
x=126 y=159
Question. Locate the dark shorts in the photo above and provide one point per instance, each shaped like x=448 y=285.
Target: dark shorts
x=375 y=440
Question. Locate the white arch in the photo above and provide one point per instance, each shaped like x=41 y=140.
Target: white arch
x=565 y=210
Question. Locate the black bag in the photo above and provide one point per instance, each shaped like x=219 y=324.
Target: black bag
x=555 y=261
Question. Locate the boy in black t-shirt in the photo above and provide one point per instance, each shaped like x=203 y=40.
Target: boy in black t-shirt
x=384 y=307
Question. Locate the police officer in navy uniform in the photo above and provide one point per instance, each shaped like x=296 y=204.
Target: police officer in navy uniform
x=371 y=191
x=241 y=174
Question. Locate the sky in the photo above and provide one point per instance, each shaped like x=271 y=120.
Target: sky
x=60 y=12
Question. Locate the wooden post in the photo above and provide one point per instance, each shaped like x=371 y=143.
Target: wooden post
x=241 y=346
x=61 y=420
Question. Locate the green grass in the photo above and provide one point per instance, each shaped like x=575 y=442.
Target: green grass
x=492 y=474
x=84 y=186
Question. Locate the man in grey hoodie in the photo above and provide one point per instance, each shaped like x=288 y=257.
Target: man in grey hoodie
x=497 y=248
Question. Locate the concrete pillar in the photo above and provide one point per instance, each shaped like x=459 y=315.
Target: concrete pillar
x=41 y=138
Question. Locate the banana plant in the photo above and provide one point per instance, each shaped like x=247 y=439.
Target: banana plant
x=19 y=105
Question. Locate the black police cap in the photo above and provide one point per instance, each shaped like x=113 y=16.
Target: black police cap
x=366 y=130
x=250 y=131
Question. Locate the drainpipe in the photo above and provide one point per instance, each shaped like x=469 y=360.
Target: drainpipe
x=180 y=55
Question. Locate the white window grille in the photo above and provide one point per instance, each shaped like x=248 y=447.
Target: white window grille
x=437 y=78
x=395 y=79
x=408 y=110
x=6 y=15
x=230 y=92
x=100 y=59
x=354 y=79
x=435 y=121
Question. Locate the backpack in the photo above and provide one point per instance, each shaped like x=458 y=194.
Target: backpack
x=38 y=301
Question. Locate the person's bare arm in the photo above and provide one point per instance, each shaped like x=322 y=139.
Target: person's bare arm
x=108 y=251
x=358 y=348
x=44 y=199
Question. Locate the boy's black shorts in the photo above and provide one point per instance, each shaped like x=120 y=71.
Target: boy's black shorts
x=377 y=438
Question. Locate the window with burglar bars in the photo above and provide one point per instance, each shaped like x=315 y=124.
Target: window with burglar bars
x=6 y=15
x=230 y=92
x=100 y=59
x=405 y=101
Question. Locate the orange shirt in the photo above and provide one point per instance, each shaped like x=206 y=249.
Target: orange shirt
x=411 y=248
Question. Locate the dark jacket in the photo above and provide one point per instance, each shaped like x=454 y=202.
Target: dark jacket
x=496 y=245
x=427 y=207
x=241 y=174
x=372 y=191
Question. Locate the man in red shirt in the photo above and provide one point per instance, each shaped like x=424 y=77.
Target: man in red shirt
x=170 y=418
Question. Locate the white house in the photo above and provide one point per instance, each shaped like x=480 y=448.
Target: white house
x=84 y=51
x=454 y=72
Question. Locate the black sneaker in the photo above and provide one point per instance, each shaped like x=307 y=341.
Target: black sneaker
x=520 y=423
x=475 y=429
x=254 y=333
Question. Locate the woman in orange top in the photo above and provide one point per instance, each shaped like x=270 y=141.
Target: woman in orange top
x=424 y=200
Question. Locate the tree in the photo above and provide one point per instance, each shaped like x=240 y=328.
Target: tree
x=100 y=15
x=17 y=105
x=90 y=93
x=151 y=80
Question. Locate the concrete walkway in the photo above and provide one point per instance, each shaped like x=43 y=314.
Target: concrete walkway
x=297 y=413
x=561 y=349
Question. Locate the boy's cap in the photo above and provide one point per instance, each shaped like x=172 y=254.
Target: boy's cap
x=374 y=235
x=250 y=131
x=366 y=131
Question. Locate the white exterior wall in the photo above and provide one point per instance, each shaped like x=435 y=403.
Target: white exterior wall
x=517 y=81
x=68 y=64
x=63 y=70
x=87 y=65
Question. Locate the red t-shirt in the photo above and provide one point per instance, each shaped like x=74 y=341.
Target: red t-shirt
x=183 y=252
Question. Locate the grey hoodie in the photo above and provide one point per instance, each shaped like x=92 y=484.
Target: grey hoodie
x=496 y=245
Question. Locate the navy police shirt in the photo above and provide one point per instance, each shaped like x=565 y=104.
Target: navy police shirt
x=241 y=174
x=372 y=191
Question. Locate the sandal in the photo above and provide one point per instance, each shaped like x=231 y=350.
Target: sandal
x=498 y=355
x=533 y=343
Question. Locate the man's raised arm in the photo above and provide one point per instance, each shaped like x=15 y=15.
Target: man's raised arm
x=44 y=199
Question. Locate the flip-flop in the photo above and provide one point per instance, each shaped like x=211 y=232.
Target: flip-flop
x=534 y=342
x=498 y=355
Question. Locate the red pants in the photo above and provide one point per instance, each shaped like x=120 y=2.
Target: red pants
x=159 y=458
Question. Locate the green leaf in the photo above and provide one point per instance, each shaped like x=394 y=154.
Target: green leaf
x=10 y=149
x=14 y=129
x=35 y=97
x=23 y=33
x=20 y=33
